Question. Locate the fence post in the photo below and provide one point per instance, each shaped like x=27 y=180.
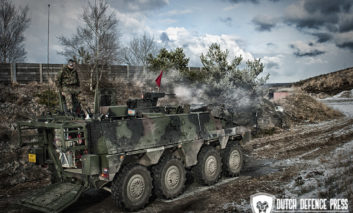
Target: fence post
x=13 y=73
x=40 y=73
x=127 y=72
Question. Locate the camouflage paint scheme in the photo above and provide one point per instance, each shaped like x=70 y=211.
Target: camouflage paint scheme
x=142 y=135
x=117 y=137
x=149 y=132
x=67 y=78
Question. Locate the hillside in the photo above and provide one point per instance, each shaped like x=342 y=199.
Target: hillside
x=331 y=83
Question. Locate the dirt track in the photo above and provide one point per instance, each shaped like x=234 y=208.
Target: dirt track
x=307 y=161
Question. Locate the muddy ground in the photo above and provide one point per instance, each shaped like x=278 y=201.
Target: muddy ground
x=306 y=161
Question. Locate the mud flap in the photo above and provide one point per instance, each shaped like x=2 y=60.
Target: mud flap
x=53 y=198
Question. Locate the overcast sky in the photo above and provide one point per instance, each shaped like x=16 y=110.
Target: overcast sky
x=295 y=39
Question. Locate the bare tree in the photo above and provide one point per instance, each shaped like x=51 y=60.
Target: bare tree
x=83 y=56
x=13 y=23
x=97 y=41
x=138 y=50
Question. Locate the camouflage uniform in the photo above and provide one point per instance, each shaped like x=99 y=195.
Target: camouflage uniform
x=68 y=84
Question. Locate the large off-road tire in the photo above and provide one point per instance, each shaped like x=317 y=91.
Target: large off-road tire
x=209 y=166
x=233 y=159
x=132 y=188
x=169 y=177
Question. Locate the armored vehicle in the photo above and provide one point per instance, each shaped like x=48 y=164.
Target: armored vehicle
x=132 y=150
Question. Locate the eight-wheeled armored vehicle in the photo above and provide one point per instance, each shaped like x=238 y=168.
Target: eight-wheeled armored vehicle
x=132 y=151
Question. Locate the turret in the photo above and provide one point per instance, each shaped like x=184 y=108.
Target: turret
x=149 y=100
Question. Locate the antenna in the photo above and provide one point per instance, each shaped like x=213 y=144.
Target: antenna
x=48 y=34
x=96 y=66
x=48 y=59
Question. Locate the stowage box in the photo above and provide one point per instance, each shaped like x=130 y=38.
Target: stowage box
x=90 y=164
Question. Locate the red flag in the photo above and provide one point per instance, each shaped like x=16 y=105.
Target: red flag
x=159 y=79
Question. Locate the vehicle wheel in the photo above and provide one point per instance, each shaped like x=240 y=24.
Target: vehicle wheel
x=232 y=160
x=169 y=178
x=209 y=166
x=132 y=188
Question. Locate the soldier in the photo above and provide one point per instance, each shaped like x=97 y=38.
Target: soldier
x=68 y=84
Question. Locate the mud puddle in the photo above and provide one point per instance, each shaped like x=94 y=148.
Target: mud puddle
x=259 y=167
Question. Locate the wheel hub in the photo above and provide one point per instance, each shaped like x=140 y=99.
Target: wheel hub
x=135 y=187
x=211 y=166
x=172 y=177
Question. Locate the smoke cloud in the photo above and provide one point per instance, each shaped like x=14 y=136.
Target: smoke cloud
x=239 y=102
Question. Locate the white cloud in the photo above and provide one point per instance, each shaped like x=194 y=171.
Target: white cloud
x=344 y=38
x=139 y=5
x=177 y=12
x=168 y=21
x=303 y=49
x=131 y=25
x=265 y=22
x=194 y=44
x=272 y=62
x=295 y=11
x=132 y=21
x=313 y=60
x=231 y=7
x=273 y=66
x=308 y=52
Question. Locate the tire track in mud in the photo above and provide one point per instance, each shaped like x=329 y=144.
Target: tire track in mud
x=322 y=144
x=303 y=139
x=299 y=131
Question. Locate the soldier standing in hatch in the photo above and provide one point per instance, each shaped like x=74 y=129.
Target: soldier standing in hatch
x=68 y=84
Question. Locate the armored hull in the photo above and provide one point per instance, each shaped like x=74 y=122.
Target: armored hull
x=131 y=149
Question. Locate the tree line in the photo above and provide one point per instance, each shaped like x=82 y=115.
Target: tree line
x=97 y=43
